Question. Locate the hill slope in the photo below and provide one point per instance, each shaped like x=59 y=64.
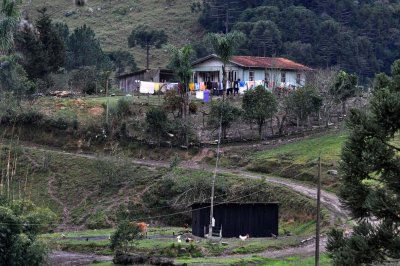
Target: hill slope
x=114 y=20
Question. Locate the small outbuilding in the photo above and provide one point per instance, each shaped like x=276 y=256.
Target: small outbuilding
x=234 y=219
x=130 y=82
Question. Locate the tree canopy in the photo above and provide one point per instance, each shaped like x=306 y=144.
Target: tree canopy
x=370 y=187
x=225 y=46
x=83 y=49
x=223 y=114
x=20 y=223
x=9 y=18
x=259 y=104
x=360 y=37
x=146 y=38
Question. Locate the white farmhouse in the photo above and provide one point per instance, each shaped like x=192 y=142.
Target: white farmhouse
x=272 y=71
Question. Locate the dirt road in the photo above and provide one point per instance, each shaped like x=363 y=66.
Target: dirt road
x=61 y=258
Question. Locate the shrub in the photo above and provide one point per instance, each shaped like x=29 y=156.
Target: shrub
x=97 y=221
x=193 y=108
x=29 y=117
x=172 y=102
x=124 y=237
x=157 y=122
x=123 y=109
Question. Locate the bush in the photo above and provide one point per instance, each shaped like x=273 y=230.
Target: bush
x=172 y=102
x=124 y=237
x=97 y=221
x=123 y=109
x=30 y=117
x=193 y=108
x=84 y=80
x=57 y=122
x=157 y=121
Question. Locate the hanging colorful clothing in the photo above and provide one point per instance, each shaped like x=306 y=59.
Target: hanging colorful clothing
x=206 y=95
x=197 y=86
x=250 y=84
x=259 y=83
x=157 y=86
x=146 y=87
x=191 y=86
x=202 y=86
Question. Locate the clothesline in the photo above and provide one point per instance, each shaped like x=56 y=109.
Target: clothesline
x=153 y=87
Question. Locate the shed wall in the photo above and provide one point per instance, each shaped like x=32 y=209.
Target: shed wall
x=257 y=220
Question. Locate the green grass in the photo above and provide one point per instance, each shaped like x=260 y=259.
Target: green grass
x=257 y=260
x=92 y=190
x=107 y=263
x=299 y=159
x=116 y=19
x=302 y=152
x=164 y=245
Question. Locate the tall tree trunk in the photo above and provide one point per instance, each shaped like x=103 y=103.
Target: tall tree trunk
x=147 y=57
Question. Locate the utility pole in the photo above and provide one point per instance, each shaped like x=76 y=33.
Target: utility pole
x=317 y=233
x=213 y=181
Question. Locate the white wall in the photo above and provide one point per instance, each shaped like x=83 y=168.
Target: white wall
x=215 y=65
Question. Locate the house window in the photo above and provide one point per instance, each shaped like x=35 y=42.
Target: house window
x=283 y=77
x=298 y=78
x=251 y=75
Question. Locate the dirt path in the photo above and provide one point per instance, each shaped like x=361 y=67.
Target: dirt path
x=61 y=258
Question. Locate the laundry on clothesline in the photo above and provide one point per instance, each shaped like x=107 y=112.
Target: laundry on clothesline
x=146 y=87
x=157 y=86
x=200 y=95
x=206 y=96
x=202 y=86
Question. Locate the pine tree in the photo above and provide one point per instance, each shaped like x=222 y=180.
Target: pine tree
x=52 y=43
x=34 y=60
x=84 y=49
x=371 y=179
x=147 y=38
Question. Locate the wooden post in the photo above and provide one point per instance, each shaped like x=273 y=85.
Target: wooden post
x=317 y=233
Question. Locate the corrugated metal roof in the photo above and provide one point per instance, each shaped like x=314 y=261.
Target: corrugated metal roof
x=268 y=62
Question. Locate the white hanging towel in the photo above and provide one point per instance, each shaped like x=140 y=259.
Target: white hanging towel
x=242 y=90
x=146 y=87
x=259 y=82
x=200 y=95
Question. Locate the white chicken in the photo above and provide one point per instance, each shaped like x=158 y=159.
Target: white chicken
x=243 y=238
x=179 y=239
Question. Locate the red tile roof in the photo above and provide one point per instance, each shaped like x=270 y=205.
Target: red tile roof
x=268 y=62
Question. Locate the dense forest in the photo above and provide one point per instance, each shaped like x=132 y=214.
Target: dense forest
x=359 y=36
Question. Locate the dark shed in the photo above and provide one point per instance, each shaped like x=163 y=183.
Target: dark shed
x=130 y=82
x=255 y=219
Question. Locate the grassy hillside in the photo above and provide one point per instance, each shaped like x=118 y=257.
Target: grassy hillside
x=95 y=192
x=114 y=20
